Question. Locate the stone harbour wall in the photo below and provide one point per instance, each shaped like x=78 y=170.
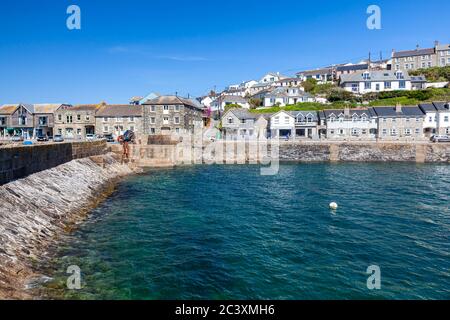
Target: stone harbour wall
x=18 y=161
x=37 y=210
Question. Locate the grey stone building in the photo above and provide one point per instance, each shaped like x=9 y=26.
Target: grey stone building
x=400 y=123
x=17 y=119
x=44 y=118
x=116 y=119
x=75 y=122
x=438 y=56
x=166 y=115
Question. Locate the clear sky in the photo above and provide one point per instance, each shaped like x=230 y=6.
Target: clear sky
x=129 y=48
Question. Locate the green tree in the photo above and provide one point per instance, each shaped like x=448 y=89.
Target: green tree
x=309 y=84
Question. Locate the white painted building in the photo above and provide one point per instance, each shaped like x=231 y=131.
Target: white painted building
x=272 y=77
x=284 y=96
x=348 y=124
x=376 y=81
x=221 y=102
x=437 y=118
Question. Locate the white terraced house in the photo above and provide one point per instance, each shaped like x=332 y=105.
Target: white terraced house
x=348 y=124
x=294 y=125
x=437 y=118
x=377 y=81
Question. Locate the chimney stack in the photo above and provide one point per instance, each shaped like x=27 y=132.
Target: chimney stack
x=398 y=108
x=347 y=112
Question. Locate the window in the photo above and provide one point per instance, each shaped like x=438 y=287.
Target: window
x=177 y=120
x=355 y=118
x=331 y=131
x=152 y=131
x=424 y=65
x=407 y=66
x=2 y=121
x=364 y=131
x=43 y=121
x=402 y=84
x=341 y=132
x=446 y=119
x=309 y=119
x=417 y=131
x=153 y=108
x=88 y=118
x=276 y=120
x=152 y=120
x=230 y=120
x=387 y=85
x=355 y=87
x=407 y=132
x=105 y=129
x=105 y=119
x=78 y=132
x=393 y=132
x=332 y=119
x=166 y=108
x=355 y=132
x=132 y=128
x=59 y=117
x=78 y=117
x=177 y=108
x=166 y=120
x=377 y=86
x=429 y=64
x=131 y=119
x=367 y=85
x=177 y=130
x=69 y=119
x=447 y=131
x=366 y=76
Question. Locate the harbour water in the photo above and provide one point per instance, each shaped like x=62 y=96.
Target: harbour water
x=226 y=232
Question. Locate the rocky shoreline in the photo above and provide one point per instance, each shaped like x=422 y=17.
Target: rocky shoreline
x=37 y=210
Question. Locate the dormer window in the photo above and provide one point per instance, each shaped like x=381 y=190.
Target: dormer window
x=399 y=75
x=366 y=76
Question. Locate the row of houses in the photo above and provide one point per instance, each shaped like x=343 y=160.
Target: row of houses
x=161 y=115
x=408 y=123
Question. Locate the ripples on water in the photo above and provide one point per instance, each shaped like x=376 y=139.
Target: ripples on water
x=225 y=232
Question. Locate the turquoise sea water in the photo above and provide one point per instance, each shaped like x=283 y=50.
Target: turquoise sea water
x=226 y=232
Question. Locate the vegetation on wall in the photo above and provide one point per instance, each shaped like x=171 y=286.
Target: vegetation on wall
x=436 y=74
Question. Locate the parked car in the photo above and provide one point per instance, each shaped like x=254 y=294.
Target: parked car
x=90 y=137
x=41 y=137
x=58 y=138
x=438 y=138
x=109 y=138
x=17 y=138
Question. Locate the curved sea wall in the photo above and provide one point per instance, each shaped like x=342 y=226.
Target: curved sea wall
x=37 y=210
x=19 y=161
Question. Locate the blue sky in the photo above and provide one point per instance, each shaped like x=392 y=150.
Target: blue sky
x=128 y=48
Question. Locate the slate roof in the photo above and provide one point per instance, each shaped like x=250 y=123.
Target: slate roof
x=283 y=92
x=354 y=67
x=234 y=99
x=47 y=108
x=305 y=114
x=382 y=75
x=412 y=53
x=173 y=100
x=427 y=107
x=120 y=111
x=407 y=111
x=11 y=108
x=315 y=72
x=418 y=79
x=83 y=107
x=8 y=109
x=442 y=106
x=243 y=114
x=336 y=112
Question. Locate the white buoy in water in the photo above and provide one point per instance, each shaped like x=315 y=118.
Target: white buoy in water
x=333 y=206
